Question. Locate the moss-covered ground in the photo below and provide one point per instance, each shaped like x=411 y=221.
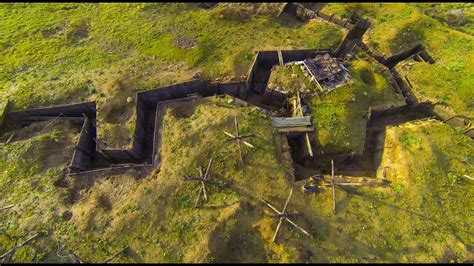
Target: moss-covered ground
x=399 y=26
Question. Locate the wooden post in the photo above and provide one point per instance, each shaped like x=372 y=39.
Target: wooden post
x=238 y=140
x=198 y=198
x=308 y=144
x=333 y=186
x=203 y=186
x=202 y=178
x=280 y=57
x=319 y=86
x=10 y=138
x=299 y=112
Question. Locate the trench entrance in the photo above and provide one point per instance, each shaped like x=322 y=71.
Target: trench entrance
x=355 y=165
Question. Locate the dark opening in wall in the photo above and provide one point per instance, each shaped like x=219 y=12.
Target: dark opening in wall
x=356 y=165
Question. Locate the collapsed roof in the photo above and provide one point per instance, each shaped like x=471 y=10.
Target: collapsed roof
x=326 y=71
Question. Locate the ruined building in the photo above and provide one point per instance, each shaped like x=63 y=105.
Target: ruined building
x=326 y=71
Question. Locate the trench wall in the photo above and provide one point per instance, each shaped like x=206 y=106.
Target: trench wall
x=302 y=13
x=90 y=155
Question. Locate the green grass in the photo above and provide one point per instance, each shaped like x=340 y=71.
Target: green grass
x=55 y=53
x=340 y=116
x=424 y=216
x=155 y=215
x=399 y=26
x=290 y=78
x=50 y=50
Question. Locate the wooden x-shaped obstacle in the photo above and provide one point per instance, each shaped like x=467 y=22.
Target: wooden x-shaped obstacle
x=283 y=215
x=239 y=139
x=333 y=184
x=202 y=178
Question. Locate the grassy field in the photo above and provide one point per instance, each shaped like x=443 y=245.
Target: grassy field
x=399 y=26
x=423 y=216
x=61 y=53
x=153 y=215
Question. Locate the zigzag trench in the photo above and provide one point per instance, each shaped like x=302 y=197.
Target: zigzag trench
x=88 y=154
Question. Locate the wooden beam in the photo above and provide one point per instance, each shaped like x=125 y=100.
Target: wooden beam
x=203 y=186
x=319 y=85
x=198 y=197
x=116 y=167
x=208 y=167
x=6 y=207
x=54 y=118
x=291 y=121
x=26 y=242
x=289 y=215
x=116 y=254
x=298 y=102
x=359 y=184
x=295 y=108
x=286 y=218
x=295 y=129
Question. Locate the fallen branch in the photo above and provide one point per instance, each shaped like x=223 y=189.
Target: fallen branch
x=52 y=121
x=6 y=207
x=466 y=176
x=116 y=254
x=26 y=242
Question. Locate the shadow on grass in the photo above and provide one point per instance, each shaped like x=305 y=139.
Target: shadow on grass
x=446 y=225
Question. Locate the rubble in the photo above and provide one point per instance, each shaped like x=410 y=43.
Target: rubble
x=326 y=71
